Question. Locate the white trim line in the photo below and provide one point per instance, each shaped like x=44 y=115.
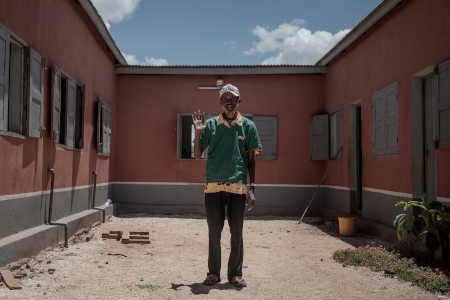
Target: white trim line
x=45 y=192
x=391 y=193
x=258 y=184
x=442 y=199
x=336 y=187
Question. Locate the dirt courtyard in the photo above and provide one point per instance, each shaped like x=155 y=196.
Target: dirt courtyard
x=283 y=259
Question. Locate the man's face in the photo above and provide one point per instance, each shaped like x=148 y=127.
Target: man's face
x=229 y=102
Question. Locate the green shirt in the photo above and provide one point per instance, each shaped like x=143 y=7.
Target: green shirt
x=228 y=146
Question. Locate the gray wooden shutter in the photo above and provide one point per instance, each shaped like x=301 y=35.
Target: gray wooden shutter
x=318 y=137
x=391 y=120
x=378 y=120
x=56 y=103
x=35 y=107
x=443 y=105
x=106 y=128
x=71 y=106
x=385 y=121
x=99 y=127
x=267 y=130
x=4 y=78
x=179 y=135
x=79 y=133
x=339 y=121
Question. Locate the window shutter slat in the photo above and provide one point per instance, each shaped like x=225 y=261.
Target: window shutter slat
x=318 y=137
x=56 y=103
x=378 y=120
x=391 y=120
x=267 y=131
x=443 y=104
x=70 y=112
x=385 y=121
x=35 y=93
x=4 y=78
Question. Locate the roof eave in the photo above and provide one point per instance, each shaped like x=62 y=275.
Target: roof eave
x=220 y=70
x=358 y=30
x=104 y=32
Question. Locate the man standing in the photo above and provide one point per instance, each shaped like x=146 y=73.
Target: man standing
x=232 y=142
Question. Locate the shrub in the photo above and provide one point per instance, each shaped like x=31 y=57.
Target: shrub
x=431 y=227
x=393 y=265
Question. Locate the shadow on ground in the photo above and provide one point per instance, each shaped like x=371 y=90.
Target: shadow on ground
x=201 y=289
x=359 y=239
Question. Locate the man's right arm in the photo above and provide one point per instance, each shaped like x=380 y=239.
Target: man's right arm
x=197 y=146
x=198 y=120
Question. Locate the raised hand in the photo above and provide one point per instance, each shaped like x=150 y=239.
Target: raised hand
x=198 y=119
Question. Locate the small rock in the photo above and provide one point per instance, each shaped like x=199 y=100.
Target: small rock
x=142 y=279
x=106 y=263
x=48 y=261
x=100 y=267
x=38 y=285
x=20 y=274
x=51 y=271
x=321 y=259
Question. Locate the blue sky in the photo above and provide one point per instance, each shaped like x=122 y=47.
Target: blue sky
x=235 y=32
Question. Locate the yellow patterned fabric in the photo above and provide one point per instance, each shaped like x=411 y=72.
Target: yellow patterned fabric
x=237 y=121
x=234 y=188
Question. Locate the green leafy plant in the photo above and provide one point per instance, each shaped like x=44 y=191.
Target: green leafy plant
x=392 y=264
x=431 y=227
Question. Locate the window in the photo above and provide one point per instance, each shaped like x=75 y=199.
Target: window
x=266 y=126
x=325 y=136
x=443 y=105
x=104 y=126
x=21 y=88
x=385 y=121
x=67 y=110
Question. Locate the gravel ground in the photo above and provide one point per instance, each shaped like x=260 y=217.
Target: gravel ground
x=284 y=259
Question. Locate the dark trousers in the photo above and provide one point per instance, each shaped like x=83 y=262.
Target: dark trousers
x=215 y=204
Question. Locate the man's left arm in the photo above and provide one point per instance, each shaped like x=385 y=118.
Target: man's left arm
x=251 y=172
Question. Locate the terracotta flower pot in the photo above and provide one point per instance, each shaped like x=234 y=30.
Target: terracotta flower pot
x=347 y=226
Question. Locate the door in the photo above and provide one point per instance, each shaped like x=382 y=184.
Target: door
x=429 y=147
x=358 y=159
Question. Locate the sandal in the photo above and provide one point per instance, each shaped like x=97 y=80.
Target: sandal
x=211 y=279
x=238 y=282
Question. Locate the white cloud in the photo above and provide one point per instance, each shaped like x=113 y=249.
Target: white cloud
x=293 y=44
x=115 y=11
x=149 y=61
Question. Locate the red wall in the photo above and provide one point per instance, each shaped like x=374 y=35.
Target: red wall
x=63 y=33
x=147 y=113
x=410 y=38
